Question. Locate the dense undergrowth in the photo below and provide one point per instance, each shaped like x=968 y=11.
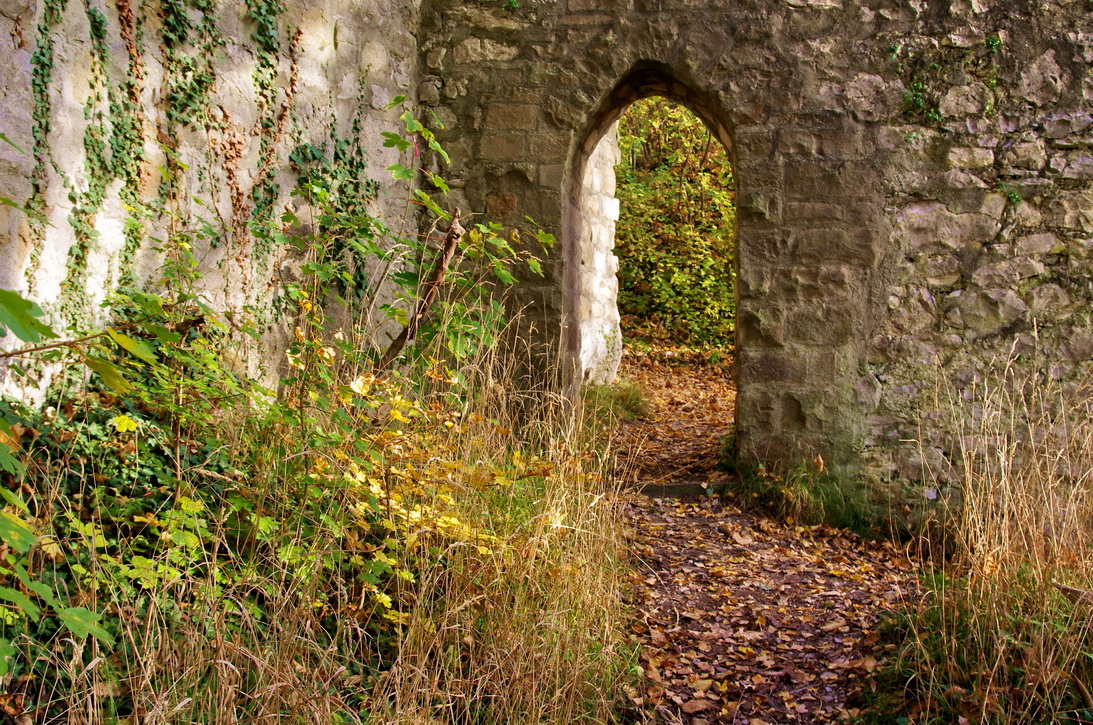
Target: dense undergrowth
x=356 y=543
x=675 y=238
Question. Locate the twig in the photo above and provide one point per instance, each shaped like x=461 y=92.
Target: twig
x=50 y=346
x=432 y=287
x=1078 y=596
x=1083 y=691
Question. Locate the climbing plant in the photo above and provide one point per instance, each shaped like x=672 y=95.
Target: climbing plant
x=675 y=238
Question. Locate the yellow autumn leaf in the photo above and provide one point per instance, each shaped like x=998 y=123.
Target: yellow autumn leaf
x=123 y=423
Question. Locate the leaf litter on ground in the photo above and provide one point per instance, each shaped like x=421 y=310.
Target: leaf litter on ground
x=741 y=618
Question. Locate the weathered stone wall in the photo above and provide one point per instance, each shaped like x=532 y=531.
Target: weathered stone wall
x=601 y=335
x=914 y=192
x=142 y=120
x=915 y=177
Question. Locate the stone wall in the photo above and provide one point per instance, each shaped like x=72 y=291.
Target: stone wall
x=137 y=121
x=915 y=184
x=914 y=192
x=601 y=336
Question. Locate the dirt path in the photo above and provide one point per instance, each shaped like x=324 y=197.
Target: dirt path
x=740 y=618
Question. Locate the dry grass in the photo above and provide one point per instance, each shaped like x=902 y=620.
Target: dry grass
x=1004 y=633
x=519 y=622
x=526 y=628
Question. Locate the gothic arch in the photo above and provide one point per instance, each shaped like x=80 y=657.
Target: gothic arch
x=583 y=252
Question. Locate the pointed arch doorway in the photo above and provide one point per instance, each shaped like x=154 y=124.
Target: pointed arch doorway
x=591 y=333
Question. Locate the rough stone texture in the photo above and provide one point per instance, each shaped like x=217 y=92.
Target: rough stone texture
x=334 y=62
x=914 y=190
x=601 y=336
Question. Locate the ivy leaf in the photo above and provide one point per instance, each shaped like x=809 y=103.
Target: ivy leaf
x=393 y=140
x=438 y=182
x=502 y=273
x=435 y=146
x=398 y=171
x=431 y=205
x=137 y=348
x=16 y=533
x=82 y=623
x=20 y=315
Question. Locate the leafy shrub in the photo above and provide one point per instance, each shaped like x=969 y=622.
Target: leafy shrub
x=675 y=238
x=184 y=544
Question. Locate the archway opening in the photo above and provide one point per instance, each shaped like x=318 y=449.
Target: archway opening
x=651 y=264
x=678 y=235
x=675 y=237
x=591 y=334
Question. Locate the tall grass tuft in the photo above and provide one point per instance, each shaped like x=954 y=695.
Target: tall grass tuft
x=525 y=626
x=1004 y=630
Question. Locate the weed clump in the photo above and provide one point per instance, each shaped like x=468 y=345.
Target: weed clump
x=1003 y=631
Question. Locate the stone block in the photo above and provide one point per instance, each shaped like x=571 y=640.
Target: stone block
x=1071 y=210
x=1049 y=302
x=756 y=410
x=511 y=117
x=965 y=100
x=761 y=327
x=1046 y=243
x=768 y=367
x=1061 y=125
x=550 y=148
x=815 y=282
x=1079 y=166
x=758 y=207
x=818 y=324
x=970 y=158
x=481 y=50
x=1031 y=155
x=753 y=144
x=501 y=206
x=983 y=313
x=871 y=98
x=943 y=271
x=1042 y=81
x=503 y=147
x=763 y=248
x=836 y=245
x=798 y=142
x=819 y=181
x=930 y=224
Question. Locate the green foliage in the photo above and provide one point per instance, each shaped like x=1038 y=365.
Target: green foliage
x=807 y=493
x=623 y=400
x=21 y=317
x=177 y=493
x=675 y=239
x=930 y=69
